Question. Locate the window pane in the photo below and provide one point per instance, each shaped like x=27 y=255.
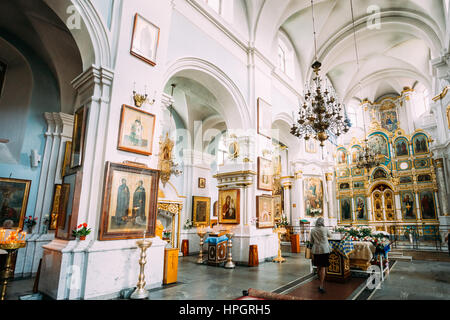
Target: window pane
x=281 y=59
x=214 y=4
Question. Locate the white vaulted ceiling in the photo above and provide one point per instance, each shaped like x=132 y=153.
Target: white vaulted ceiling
x=393 y=56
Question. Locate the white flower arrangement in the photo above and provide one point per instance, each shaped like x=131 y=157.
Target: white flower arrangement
x=188 y=224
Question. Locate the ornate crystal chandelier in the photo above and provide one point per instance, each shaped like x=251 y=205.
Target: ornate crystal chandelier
x=369 y=157
x=321 y=113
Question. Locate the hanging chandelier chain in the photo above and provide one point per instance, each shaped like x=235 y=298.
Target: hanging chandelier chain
x=314 y=30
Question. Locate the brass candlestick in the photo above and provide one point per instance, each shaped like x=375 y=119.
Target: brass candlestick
x=279 y=258
x=201 y=234
x=230 y=264
x=140 y=292
x=8 y=272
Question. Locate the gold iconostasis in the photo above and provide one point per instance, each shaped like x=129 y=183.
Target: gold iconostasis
x=401 y=191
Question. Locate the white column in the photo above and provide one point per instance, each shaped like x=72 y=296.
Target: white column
x=398 y=207
x=442 y=188
x=299 y=211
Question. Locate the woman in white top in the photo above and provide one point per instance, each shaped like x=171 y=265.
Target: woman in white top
x=320 y=250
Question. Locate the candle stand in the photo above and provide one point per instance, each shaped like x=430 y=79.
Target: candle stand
x=140 y=292
x=280 y=232
x=7 y=271
x=201 y=233
x=230 y=264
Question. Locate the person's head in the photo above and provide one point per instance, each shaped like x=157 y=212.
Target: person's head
x=320 y=222
x=141 y=183
x=228 y=200
x=124 y=181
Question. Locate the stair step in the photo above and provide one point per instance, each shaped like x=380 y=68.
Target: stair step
x=397 y=253
x=403 y=258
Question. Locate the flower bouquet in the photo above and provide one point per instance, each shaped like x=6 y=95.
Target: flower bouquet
x=167 y=234
x=30 y=223
x=81 y=231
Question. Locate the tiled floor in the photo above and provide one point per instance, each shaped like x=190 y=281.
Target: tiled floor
x=407 y=280
x=416 y=280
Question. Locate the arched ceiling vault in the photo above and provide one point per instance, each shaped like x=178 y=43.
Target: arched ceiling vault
x=393 y=56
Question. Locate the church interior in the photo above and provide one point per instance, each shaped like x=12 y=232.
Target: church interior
x=186 y=149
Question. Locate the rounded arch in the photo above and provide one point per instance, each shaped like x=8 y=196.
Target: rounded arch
x=375 y=184
x=218 y=83
x=90 y=35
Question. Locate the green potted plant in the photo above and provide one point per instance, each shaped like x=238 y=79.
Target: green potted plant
x=81 y=231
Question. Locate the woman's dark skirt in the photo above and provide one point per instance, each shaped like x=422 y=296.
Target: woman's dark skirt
x=321 y=260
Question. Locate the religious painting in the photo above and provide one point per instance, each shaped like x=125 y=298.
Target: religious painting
x=265 y=212
x=361 y=209
x=421 y=163
x=79 y=129
x=145 y=40
x=233 y=150
x=341 y=156
x=13 y=201
x=401 y=147
x=202 y=183
x=66 y=162
x=136 y=131
x=407 y=203
x=346 y=209
x=68 y=205
x=265 y=174
x=201 y=208
x=420 y=144
x=55 y=208
x=427 y=205
x=379 y=144
x=358 y=185
x=3 y=68
x=356 y=172
x=405 y=180
x=344 y=173
x=355 y=154
x=424 y=178
x=389 y=120
x=344 y=186
x=313 y=193
x=215 y=209
x=63 y=203
x=311 y=145
x=129 y=202
x=229 y=206
x=264 y=118
x=278 y=207
x=379 y=174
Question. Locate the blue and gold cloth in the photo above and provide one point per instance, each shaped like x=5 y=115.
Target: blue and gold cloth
x=216 y=240
x=344 y=247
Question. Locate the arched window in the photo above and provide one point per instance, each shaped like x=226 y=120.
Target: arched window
x=216 y=5
x=353 y=116
x=281 y=59
x=286 y=55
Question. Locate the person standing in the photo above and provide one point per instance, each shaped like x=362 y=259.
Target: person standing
x=320 y=250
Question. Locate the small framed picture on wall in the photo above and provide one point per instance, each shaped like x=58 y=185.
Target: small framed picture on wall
x=79 y=129
x=202 y=183
x=136 y=131
x=145 y=39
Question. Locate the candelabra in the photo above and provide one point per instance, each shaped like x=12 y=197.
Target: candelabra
x=201 y=233
x=10 y=244
x=230 y=264
x=279 y=258
x=140 y=292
